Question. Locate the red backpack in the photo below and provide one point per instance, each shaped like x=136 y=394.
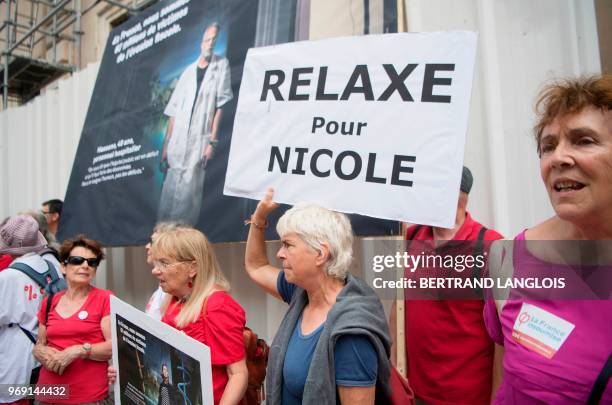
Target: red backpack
x=256 y=360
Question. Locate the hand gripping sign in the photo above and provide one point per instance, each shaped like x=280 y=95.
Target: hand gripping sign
x=373 y=125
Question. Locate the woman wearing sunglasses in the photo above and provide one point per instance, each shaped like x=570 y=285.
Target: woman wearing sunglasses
x=74 y=338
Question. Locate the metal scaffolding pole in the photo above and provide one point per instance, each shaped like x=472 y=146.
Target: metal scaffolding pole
x=68 y=22
x=32 y=19
x=42 y=31
x=54 y=40
x=20 y=64
x=78 y=32
x=123 y=6
x=46 y=18
x=7 y=55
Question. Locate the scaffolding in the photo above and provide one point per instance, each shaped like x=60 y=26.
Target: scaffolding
x=23 y=74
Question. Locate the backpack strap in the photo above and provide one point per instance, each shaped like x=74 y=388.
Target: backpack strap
x=51 y=272
x=49 y=250
x=49 y=280
x=55 y=282
x=40 y=279
x=478 y=250
x=479 y=247
x=48 y=307
x=25 y=332
x=28 y=334
x=43 y=280
x=600 y=383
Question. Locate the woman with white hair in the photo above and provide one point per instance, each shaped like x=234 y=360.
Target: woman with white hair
x=333 y=343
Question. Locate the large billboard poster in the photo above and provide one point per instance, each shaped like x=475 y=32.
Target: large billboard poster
x=156 y=138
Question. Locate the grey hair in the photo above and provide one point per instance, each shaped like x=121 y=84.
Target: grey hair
x=213 y=24
x=316 y=225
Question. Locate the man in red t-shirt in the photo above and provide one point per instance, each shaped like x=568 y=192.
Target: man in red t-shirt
x=448 y=351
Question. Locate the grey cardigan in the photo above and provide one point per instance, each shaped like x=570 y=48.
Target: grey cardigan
x=357 y=311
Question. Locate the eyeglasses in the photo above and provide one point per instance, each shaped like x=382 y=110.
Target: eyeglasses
x=78 y=260
x=165 y=266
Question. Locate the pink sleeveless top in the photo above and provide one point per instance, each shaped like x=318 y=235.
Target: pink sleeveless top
x=554 y=349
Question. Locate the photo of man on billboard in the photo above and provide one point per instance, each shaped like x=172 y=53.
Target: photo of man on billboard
x=194 y=112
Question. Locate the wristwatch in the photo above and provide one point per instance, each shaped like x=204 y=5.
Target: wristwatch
x=87 y=348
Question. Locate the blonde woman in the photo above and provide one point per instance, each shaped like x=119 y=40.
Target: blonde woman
x=153 y=307
x=198 y=304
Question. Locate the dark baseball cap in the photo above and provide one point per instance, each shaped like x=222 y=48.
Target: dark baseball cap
x=467 y=180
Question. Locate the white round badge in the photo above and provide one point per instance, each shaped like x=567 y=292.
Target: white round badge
x=83 y=315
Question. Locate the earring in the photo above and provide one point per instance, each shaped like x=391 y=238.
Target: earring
x=190 y=284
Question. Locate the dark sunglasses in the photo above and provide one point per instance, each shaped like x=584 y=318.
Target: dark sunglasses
x=78 y=260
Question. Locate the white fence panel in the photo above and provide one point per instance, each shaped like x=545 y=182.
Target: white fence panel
x=38 y=142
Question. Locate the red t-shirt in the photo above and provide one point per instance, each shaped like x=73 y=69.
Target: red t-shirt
x=449 y=352
x=220 y=327
x=87 y=378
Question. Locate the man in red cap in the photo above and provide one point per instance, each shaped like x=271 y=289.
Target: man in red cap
x=20 y=298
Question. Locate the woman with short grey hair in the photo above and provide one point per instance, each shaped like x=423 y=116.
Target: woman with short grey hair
x=333 y=343
x=317 y=227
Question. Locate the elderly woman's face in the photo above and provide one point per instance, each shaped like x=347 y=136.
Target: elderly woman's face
x=173 y=276
x=82 y=273
x=576 y=164
x=299 y=259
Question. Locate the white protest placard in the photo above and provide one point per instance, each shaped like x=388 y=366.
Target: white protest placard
x=156 y=363
x=372 y=124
